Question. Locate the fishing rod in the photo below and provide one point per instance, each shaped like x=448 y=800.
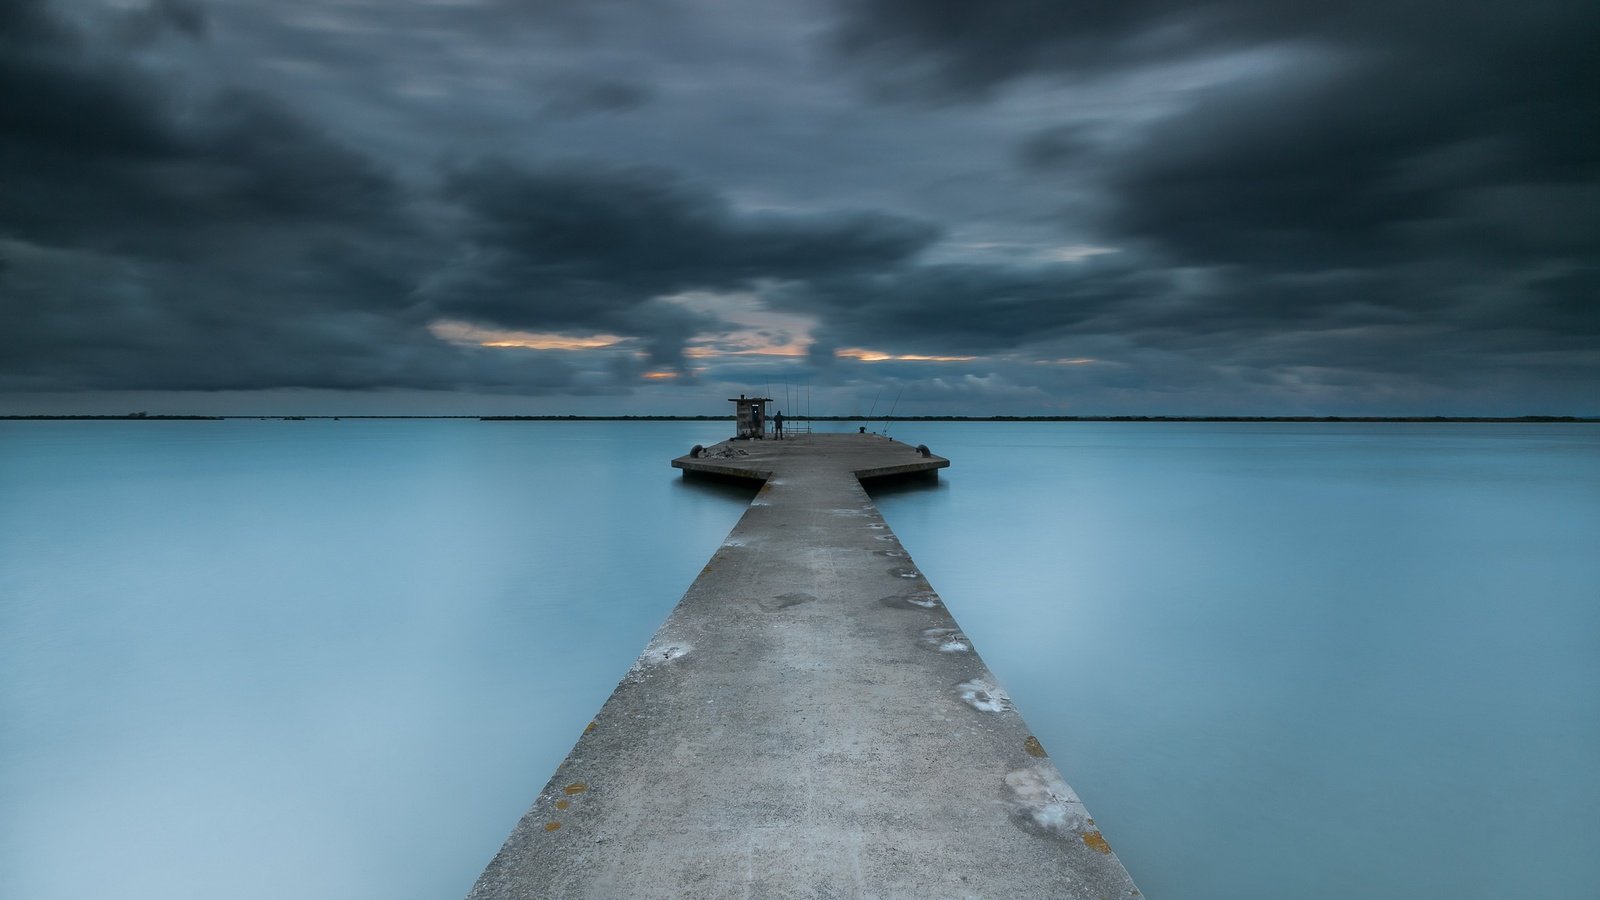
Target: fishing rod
x=874 y=407
x=786 y=404
x=892 y=407
x=767 y=395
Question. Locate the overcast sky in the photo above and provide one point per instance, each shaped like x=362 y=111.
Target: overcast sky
x=602 y=206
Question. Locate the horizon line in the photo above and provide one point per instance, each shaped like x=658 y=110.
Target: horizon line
x=141 y=416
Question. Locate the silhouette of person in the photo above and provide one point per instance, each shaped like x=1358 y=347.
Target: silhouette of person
x=777 y=426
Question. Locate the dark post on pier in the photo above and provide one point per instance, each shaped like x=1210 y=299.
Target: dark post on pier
x=809 y=721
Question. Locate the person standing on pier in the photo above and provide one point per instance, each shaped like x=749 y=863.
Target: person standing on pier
x=777 y=426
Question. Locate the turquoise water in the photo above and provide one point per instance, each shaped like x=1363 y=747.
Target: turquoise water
x=1309 y=661
x=338 y=659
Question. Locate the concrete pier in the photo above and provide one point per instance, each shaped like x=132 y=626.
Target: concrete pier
x=809 y=722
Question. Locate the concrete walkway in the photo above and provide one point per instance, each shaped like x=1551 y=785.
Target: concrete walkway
x=809 y=722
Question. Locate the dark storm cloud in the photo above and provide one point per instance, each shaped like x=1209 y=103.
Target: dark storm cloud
x=574 y=246
x=158 y=239
x=1384 y=127
x=1384 y=184
x=99 y=156
x=969 y=309
x=1362 y=167
x=578 y=95
x=1208 y=205
x=154 y=240
x=87 y=321
x=159 y=17
x=28 y=21
x=948 y=45
x=644 y=230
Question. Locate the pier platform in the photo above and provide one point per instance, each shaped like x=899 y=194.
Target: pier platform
x=809 y=722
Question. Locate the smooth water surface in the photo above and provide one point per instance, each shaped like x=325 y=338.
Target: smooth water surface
x=1308 y=661
x=315 y=659
x=339 y=659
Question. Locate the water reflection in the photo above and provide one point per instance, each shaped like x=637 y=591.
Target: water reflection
x=901 y=485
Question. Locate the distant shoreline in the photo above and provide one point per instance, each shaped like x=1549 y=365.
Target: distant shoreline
x=139 y=417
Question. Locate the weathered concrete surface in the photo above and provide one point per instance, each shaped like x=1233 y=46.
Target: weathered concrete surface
x=809 y=722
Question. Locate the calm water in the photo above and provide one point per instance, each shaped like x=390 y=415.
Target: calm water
x=338 y=659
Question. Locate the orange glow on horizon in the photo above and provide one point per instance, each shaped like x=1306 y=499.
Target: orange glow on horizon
x=501 y=339
x=657 y=376
x=865 y=355
x=532 y=341
x=709 y=352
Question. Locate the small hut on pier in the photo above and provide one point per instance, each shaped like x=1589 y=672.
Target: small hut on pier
x=751 y=416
